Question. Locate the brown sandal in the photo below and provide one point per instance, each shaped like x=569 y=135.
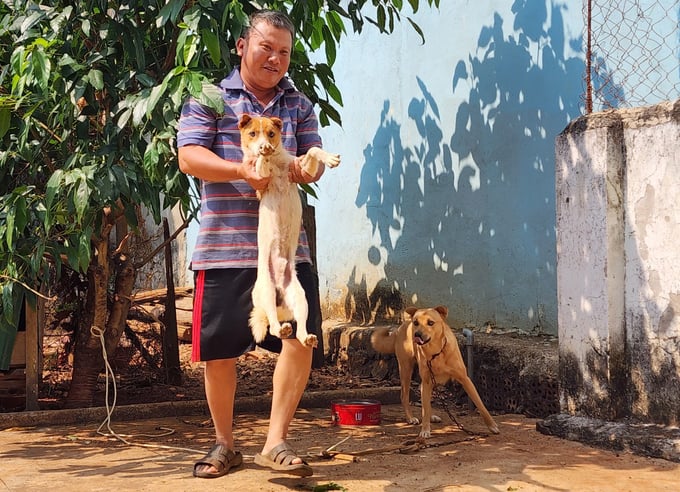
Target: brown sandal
x=281 y=458
x=220 y=458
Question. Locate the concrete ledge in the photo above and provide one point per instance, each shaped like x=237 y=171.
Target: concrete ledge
x=643 y=439
x=122 y=413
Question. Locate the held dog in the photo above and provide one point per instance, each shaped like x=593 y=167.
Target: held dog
x=427 y=339
x=277 y=295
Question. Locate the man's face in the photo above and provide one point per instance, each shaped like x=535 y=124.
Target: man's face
x=265 y=56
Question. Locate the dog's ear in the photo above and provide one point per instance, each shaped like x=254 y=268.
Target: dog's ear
x=411 y=310
x=278 y=122
x=245 y=119
x=443 y=310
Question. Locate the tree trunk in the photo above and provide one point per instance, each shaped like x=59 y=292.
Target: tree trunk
x=87 y=355
x=88 y=359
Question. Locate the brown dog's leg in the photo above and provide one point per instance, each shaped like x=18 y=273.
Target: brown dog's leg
x=426 y=387
x=471 y=391
x=405 y=373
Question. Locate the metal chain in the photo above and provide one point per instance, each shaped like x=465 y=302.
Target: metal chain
x=442 y=400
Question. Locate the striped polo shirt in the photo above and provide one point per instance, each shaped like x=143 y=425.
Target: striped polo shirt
x=227 y=236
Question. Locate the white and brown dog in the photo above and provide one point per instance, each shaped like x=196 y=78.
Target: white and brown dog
x=427 y=339
x=277 y=295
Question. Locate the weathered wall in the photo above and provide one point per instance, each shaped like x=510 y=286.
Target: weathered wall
x=445 y=194
x=153 y=274
x=618 y=258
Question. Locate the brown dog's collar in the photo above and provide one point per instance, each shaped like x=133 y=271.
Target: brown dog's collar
x=438 y=353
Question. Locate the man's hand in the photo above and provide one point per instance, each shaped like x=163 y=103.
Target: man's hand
x=299 y=175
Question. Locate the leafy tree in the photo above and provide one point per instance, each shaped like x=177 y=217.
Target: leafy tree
x=90 y=92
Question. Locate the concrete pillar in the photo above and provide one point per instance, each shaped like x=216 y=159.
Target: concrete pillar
x=618 y=264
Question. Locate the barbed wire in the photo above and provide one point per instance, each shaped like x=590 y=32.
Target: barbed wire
x=631 y=52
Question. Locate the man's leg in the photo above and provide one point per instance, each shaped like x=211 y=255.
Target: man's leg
x=290 y=379
x=220 y=391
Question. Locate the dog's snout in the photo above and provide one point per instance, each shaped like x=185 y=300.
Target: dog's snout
x=420 y=338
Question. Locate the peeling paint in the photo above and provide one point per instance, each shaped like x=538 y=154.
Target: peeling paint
x=618 y=254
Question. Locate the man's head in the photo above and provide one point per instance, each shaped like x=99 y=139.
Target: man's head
x=265 y=48
x=272 y=17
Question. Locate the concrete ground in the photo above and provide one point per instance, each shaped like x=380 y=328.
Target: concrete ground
x=387 y=457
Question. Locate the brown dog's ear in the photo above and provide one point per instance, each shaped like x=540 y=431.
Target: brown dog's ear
x=245 y=119
x=278 y=122
x=411 y=310
x=443 y=310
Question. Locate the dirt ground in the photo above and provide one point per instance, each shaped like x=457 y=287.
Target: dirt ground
x=383 y=457
x=157 y=454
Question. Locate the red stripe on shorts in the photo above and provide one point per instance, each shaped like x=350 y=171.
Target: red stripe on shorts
x=196 y=317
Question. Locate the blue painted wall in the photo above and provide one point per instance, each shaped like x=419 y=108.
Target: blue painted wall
x=446 y=192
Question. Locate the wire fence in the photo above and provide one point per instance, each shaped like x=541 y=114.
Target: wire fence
x=632 y=49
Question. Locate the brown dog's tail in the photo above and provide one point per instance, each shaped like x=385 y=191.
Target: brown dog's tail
x=383 y=340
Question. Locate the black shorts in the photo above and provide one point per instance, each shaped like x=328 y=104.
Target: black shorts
x=222 y=305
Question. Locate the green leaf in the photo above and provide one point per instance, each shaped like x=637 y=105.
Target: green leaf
x=5 y=120
x=212 y=44
x=169 y=12
x=96 y=79
x=155 y=96
x=84 y=250
x=53 y=184
x=210 y=95
x=329 y=41
x=9 y=237
x=189 y=50
x=41 y=68
x=20 y=214
x=81 y=198
x=417 y=29
x=334 y=92
x=139 y=108
x=151 y=159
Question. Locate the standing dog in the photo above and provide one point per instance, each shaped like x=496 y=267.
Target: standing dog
x=277 y=295
x=428 y=340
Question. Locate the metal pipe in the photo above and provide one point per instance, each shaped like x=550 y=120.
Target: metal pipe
x=469 y=340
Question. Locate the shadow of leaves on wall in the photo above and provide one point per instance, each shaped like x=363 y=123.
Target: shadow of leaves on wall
x=467 y=219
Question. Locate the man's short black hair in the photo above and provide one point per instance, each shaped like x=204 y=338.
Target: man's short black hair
x=271 y=17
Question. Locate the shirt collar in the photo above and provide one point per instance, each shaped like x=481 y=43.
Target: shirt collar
x=234 y=81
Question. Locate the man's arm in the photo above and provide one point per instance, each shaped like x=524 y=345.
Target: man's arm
x=203 y=163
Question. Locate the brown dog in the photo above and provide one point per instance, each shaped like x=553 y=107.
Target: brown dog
x=277 y=295
x=427 y=339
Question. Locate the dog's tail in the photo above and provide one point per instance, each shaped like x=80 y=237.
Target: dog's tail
x=383 y=340
x=259 y=324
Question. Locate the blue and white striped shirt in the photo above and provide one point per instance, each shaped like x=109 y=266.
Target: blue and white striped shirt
x=227 y=236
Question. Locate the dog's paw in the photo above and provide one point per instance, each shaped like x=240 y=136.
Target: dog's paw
x=310 y=341
x=332 y=160
x=494 y=429
x=435 y=418
x=413 y=420
x=424 y=433
x=286 y=330
x=266 y=149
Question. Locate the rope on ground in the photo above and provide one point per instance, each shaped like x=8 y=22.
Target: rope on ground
x=98 y=332
x=407 y=447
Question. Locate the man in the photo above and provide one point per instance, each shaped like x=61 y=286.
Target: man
x=225 y=257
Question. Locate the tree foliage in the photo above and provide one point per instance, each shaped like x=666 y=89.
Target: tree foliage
x=90 y=92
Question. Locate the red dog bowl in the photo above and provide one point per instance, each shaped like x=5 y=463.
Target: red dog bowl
x=355 y=412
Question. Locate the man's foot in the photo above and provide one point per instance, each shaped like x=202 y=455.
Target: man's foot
x=217 y=462
x=281 y=458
